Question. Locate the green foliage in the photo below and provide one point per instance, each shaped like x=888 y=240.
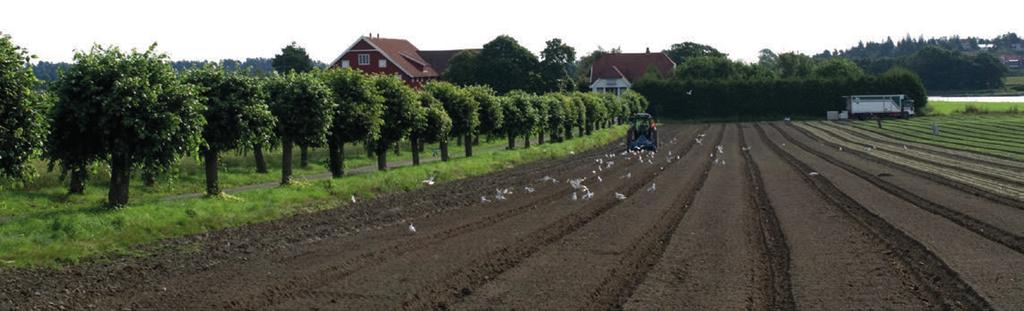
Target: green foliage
x=431 y=123
x=941 y=69
x=292 y=58
x=556 y=114
x=22 y=112
x=837 y=68
x=681 y=52
x=505 y=65
x=129 y=107
x=490 y=112
x=795 y=65
x=303 y=106
x=358 y=106
x=520 y=114
x=766 y=98
x=459 y=104
x=400 y=107
x=596 y=111
x=462 y=68
x=556 y=66
x=236 y=113
x=637 y=103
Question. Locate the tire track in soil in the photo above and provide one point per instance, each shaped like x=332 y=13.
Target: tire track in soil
x=1012 y=179
x=614 y=291
x=940 y=282
x=772 y=239
x=979 y=227
x=240 y=295
x=459 y=284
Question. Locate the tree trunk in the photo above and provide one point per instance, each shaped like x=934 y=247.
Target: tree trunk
x=568 y=132
x=148 y=179
x=369 y=149
x=469 y=145
x=382 y=156
x=414 y=143
x=261 y=162
x=581 y=132
x=335 y=153
x=210 y=162
x=540 y=137
x=77 y=183
x=511 y=141
x=458 y=140
x=526 y=141
x=398 y=148
x=303 y=156
x=476 y=140
x=590 y=128
x=120 y=177
x=554 y=136
x=444 y=149
x=286 y=161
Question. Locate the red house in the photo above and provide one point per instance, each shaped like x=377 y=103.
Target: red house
x=395 y=56
x=614 y=73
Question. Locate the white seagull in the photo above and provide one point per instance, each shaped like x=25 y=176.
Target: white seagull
x=353 y=198
x=429 y=181
x=529 y=190
x=483 y=199
x=653 y=187
x=620 y=196
x=412 y=228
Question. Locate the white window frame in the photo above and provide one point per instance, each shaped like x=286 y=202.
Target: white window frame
x=345 y=64
x=364 y=59
x=382 y=63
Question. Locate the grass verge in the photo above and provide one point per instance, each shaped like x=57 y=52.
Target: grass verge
x=53 y=239
x=942 y=108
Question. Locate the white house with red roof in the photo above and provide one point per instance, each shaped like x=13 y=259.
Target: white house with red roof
x=395 y=56
x=614 y=73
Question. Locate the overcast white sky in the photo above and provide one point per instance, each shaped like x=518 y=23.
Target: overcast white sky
x=211 y=29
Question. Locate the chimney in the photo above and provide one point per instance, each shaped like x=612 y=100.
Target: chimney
x=648 y=50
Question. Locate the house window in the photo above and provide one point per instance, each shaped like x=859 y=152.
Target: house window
x=344 y=63
x=383 y=63
x=364 y=59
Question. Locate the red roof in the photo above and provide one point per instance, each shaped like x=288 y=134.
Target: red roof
x=413 y=62
x=630 y=66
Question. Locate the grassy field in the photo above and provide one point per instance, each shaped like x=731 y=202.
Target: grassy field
x=40 y=235
x=47 y=193
x=942 y=108
x=998 y=135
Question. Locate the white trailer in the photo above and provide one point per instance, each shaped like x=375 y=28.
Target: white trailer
x=868 y=106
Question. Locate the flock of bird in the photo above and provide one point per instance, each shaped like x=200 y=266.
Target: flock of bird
x=579 y=190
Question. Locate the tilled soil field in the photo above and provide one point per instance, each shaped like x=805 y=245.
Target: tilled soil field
x=759 y=216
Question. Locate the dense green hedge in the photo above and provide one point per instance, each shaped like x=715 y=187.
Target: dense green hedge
x=769 y=97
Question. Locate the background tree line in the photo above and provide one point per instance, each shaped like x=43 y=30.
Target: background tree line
x=130 y=111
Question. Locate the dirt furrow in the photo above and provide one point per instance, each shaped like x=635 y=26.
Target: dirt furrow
x=772 y=239
x=718 y=257
x=1009 y=239
x=862 y=202
x=427 y=275
x=834 y=261
x=589 y=267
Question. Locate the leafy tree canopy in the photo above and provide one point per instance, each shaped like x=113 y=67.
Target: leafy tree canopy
x=22 y=111
x=292 y=58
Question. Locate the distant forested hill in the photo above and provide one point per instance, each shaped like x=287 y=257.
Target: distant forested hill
x=946 y=63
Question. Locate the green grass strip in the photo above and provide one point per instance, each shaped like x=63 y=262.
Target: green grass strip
x=60 y=238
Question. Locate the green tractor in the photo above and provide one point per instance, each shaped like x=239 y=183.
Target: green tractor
x=643 y=133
